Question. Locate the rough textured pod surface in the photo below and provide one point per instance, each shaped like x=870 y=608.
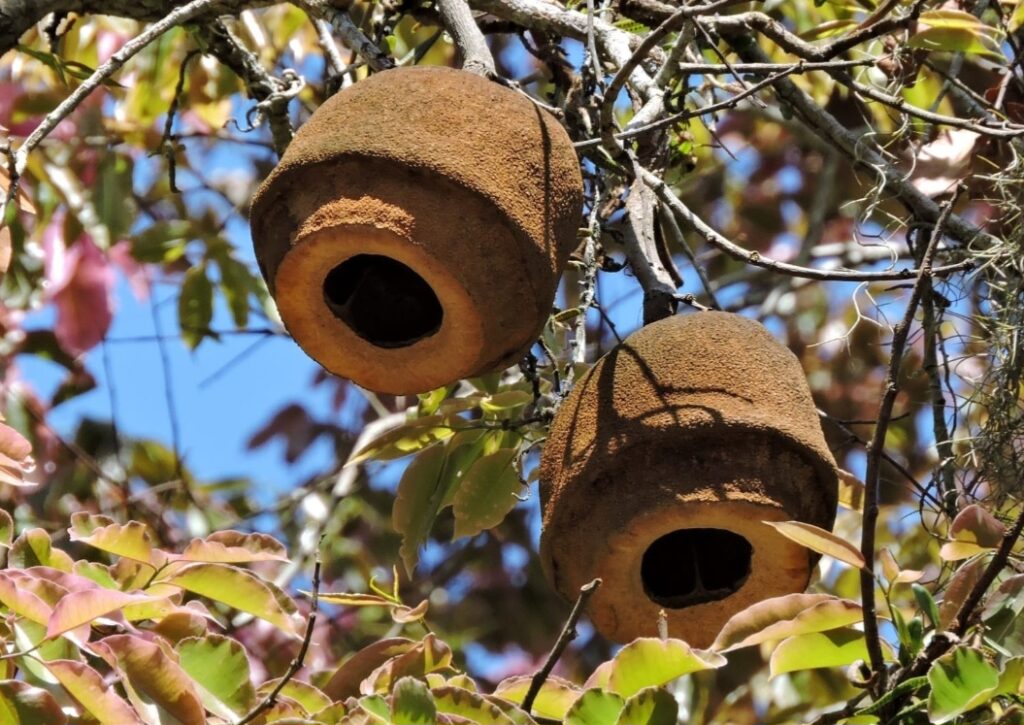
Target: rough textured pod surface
x=663 y=465
x=415 y=229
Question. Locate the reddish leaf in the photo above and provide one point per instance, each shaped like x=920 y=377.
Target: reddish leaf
x=152 y=678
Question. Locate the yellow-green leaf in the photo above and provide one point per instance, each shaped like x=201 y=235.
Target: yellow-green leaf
x=650 y=706
x=236 y=588
x=553 y=701
x=819 y=540
x=92 y=692
x=651 y=662
x=129 y=540
x=595 y=707
x=786 y=616
x=220 y=669
x=834 y=648
x=410 y=437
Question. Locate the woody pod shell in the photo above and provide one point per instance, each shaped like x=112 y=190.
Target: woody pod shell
x=415 y=229
x=664 y=463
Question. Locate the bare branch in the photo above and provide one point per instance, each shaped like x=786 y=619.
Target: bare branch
x=890 y=388
x=353 y=37
x=271 y=94
x=568 y=635
x=862 y=153
x=755 y=258
x=176 y=17
x=458 y=21
x=642 y=253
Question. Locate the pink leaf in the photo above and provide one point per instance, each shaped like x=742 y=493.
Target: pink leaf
x=85 y=305
x=82 y=607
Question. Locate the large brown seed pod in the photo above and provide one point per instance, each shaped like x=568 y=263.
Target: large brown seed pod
x=664 y=463
x=415 y=229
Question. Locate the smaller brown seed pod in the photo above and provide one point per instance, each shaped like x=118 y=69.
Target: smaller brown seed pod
x=415 y=229
x=664 y=463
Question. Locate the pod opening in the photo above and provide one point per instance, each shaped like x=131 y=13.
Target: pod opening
x=382 y=300
x=694 y=566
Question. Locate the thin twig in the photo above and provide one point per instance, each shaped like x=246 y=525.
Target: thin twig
x=890 y=387
x=50 y=121
x=300 y=658
x=755 y=258
x=568 y=635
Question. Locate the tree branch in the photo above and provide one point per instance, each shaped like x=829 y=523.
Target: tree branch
x=176 y=17
x=568 y=635
x=468 y=38
x=353 y=37
x=755 y=258
x=860 y=152
x=271 y=94
x=890 y=388
x=642 y=253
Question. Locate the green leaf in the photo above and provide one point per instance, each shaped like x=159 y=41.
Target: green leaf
x=459 y=701
x=236 y=281
x=961 y=680
x=92 y=692
x=22 y=704
x=430 y=402
x=6 y=529
x=112 y=195
x=33 y=548
x=487 y=493
x=417 y=502
x=506 y=402
x=236 y=588
x=954 y=40
x=410 y=437
x=927 y=604
x=595 y=707
x=651 y=662
x=819 y=540
x=650 y=706
x=195 y=306
x=412 y=704
x=835 y=648
x=220 y=669
x=162 y=242
x=785 y=616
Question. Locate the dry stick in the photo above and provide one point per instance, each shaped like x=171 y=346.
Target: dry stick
x=1003 y=130
x=854 y=146
x=642 y=253
x=568 y=635
x=467 y=36
x=686 y=115
x=735 y=251
x=668 y=221
x=300 y=658
x=173 y=19
x=271 y=94
x=354 y=38
x=871 y=477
